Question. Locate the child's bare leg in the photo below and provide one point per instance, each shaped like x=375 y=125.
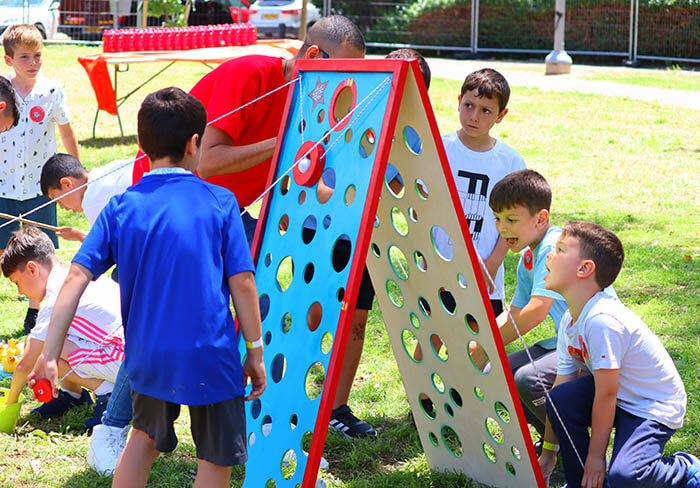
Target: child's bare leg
x=135 y=463
x=73 y=382
x=211 y=475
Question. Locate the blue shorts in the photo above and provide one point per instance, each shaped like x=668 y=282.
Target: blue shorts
x=46 y=215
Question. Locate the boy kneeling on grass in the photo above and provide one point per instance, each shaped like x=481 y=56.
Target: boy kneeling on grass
x=94 y=346
x=633 y=385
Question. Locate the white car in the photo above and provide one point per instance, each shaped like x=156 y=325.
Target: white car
x=281 y=18
x=44 y=14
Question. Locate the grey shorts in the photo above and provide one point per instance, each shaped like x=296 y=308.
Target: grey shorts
x=218 y=430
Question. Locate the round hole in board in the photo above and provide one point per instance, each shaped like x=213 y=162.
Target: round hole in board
x=412 y=140
x=315 y=376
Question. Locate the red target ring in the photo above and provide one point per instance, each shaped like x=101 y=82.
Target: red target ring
x=334 y=121
x=307 y=173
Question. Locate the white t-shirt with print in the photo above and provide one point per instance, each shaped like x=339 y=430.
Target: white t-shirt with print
x=104 y=183
x=475 y=174
x=25 y=148
x=609 y=335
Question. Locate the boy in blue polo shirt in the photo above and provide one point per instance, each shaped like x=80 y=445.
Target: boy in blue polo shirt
x=181 y=342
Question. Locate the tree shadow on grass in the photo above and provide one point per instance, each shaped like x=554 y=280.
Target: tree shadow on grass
x=101 y=142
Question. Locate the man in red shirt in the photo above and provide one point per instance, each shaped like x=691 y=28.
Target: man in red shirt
x=237 y=152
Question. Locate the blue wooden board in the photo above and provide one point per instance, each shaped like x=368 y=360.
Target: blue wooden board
x=285 y=416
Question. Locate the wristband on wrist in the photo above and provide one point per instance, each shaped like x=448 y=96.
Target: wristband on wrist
x=550 y=446
x=254 y=344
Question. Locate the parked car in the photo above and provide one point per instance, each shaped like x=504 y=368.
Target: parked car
x=87 y=19
x=281 y=18
x=206 y=12
x=44 y=14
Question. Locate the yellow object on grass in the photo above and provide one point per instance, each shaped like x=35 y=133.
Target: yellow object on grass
x=9 y=413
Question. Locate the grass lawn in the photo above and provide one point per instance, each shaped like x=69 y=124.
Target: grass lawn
x=674 y=79
x=629 y=165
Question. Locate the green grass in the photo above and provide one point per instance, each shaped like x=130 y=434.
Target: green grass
x=629 y=165
x=673 y=79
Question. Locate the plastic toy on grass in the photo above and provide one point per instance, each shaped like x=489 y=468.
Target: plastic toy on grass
x=9 y=413
x=9 y=364
x=42 y=390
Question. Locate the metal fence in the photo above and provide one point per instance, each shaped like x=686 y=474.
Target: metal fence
x=630 y=29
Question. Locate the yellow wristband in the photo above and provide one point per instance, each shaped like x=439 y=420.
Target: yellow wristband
x=254 y=344
x=550 y=446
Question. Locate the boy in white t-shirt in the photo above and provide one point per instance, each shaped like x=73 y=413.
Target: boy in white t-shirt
x=478 y=161
x=94 y=347
x=633 y=386
x=62 y=173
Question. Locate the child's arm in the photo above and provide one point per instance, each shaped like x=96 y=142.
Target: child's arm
x=527 y=318
x=70 y=234
x=548 y=457
x=63 y=311
x=494 y=261
x=603 y=416
x=31 y=352
x=245 y=301
x=70 y=142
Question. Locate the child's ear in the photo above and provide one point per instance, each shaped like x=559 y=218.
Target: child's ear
x=66 y=183
x=542 y=218
x=32 y=267
x=8 y=60
x=586 y=269
x=3 y=105
x=501 y=115
x=192 y=145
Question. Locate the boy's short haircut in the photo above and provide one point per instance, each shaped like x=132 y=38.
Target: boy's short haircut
x=601 y=246
x=26 y=244
x=413 y=54
x=489 y=83
x=526 y=188
x=333 y=31
x=7 y=95
x=25 y=35
x=167 y=119
x=58 y=166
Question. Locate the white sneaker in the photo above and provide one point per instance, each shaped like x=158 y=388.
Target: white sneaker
x=106 y=446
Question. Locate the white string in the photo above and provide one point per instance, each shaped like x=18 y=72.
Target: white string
x=534 y=365
x=121 y=166
x=342 y=134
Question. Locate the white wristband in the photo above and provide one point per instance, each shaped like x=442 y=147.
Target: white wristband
x=254 y=344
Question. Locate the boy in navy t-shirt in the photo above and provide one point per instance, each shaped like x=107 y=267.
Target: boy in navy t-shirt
x=181 y=342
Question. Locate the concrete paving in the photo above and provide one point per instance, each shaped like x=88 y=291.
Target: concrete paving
x=532 y=75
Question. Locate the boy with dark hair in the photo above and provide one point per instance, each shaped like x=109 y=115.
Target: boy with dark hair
x=478 y=161
x=181 y=339
x=520 y=204
x=9 y=114
x=413 y=54
x=629 y=380
x=94 y=346
x=62 y=173
x=41 y=103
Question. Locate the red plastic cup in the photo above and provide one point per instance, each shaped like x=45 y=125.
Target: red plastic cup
x=42 y=390
x=107 y=46
x=253 y=34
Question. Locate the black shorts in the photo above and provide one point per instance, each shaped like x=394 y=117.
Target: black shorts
x=340 y=258
x=218 y=430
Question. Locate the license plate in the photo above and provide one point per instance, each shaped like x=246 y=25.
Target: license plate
x=92 y=29
x=270 y=16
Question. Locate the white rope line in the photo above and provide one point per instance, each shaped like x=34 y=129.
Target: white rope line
x=317 y=143
x=121 y=166
x=532 y=362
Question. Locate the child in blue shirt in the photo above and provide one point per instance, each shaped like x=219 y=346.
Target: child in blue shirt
x=181 y=342
x=520 y=203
